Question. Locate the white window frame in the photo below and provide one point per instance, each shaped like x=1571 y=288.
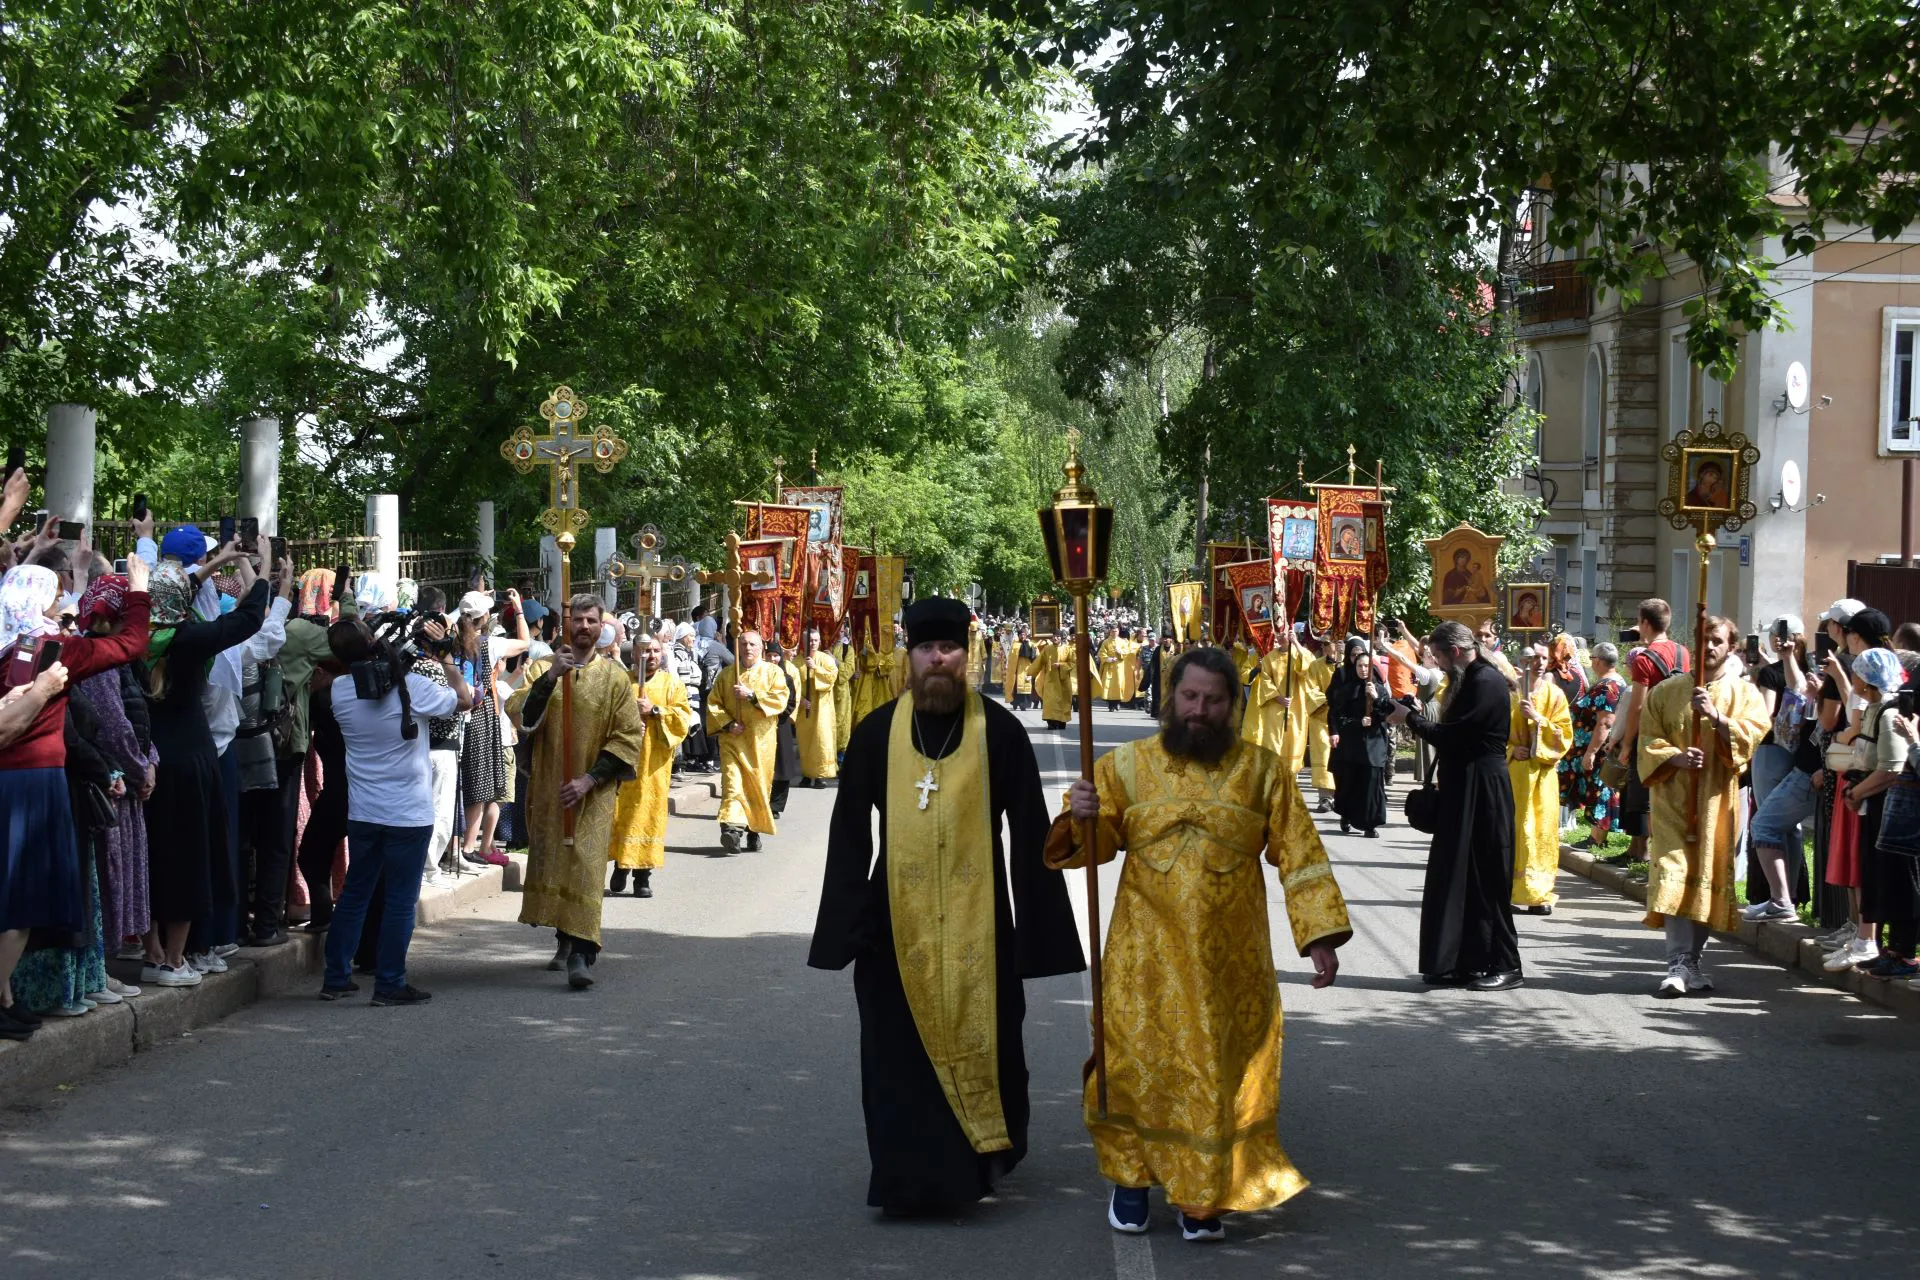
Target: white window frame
x=1892 y=321
x=1593 y=406
x=1679 y=385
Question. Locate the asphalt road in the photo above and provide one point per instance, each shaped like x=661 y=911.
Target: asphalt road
x=697 y=1114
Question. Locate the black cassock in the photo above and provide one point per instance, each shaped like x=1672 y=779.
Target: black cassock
x=1360 y=762
x=1466 y=920
x=921 y=1157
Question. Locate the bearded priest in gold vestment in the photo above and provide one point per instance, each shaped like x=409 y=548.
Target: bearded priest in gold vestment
x=942 y=925
x=1193 y=1025
x=1690 y=886
x=640 y=821
x=565 y=879
x=743 y=710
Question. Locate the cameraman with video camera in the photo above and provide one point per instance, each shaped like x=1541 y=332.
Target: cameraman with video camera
x=389 y=794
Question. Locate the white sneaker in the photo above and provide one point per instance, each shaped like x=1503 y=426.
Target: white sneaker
x=1858 y=951
x=433 y=879
x=162 y=976
x=1674 y=985
x=125 y=990
x=1839 y=937
x=224 y=950
x=207 y=962
x=105 y=996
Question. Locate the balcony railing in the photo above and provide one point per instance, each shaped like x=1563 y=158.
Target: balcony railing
x=1551 y=292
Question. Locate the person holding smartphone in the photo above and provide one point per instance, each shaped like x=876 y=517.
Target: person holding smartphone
x=40 y=883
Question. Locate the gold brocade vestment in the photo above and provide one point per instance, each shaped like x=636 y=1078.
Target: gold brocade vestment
x=814 y=730
x=747 y=758
x=1695 y=883
x=564 y=883
x=1193 y=1018
x=640 y=820
x=1536 y=793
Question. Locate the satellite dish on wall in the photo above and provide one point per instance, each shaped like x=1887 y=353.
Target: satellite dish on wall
x=1790 y=479
x=1797 y=386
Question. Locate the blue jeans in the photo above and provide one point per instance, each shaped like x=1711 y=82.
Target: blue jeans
x=401 y=852
x=1776 y=823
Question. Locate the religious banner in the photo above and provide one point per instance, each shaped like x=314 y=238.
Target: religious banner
x=835 y=573
x=1465 y=563
x=888 y=573
x=822 y=503
x=761 y=608
x=1251 y=582
x=1374 y=517
x=1343 y=570
x=1224 y=614
x=1291 y=544
x=1186 y=605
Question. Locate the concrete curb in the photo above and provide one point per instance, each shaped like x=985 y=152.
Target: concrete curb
x=1793 y=946
x=697 y=796
x=66 y=1050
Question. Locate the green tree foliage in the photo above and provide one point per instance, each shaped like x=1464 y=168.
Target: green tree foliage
x=1653 y=121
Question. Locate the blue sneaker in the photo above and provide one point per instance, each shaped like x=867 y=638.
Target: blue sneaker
x=1201 y=1228
x=1127 y=1210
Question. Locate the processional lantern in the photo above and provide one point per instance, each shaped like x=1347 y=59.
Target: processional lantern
x=1078 y=533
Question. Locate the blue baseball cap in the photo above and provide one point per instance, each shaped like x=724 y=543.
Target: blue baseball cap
x=185 y=544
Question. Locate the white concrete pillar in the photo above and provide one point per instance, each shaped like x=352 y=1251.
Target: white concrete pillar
x=483 y=540
x=260 y=473
x=549 y=585
x=1777 y=582
x=383 y=523
x=606 y=545
x=70 y=454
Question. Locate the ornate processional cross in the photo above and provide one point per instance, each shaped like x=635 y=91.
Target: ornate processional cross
x=563 y=449
x=738 y=580
x=647 y=567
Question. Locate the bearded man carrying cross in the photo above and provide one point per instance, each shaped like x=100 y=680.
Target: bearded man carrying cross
x=930 y=930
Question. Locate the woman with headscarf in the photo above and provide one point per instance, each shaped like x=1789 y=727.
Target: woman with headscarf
x=1357 y=706
x=1889 y=882
x=189 y=868
x=41 y=884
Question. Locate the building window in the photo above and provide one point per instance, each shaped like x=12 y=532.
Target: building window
x=1592 y=406
x=1899 y=398
x=1679 y=386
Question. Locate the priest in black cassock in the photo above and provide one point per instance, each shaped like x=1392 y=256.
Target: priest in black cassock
x=1467 y=936
x=929 y=926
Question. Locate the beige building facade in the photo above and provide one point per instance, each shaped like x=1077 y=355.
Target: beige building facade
x=1614 y=385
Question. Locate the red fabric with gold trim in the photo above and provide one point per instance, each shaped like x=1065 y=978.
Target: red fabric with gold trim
x=1343 y=570
x=761 y=609
x=1252 y=585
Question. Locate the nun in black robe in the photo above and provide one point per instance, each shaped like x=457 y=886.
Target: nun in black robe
x=921 y=1156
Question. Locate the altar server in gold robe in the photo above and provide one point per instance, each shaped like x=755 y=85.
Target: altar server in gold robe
x=1690 y=885
x=846 y=665
x=1277 y=714
x=564 y=877
x=1539 y=735
x=1053 y=680
x=744 y=710
x=640 y=820
x=813 y=723
x=1192 y=1010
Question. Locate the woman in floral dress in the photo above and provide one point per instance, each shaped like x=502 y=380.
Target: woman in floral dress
x=1593 y=713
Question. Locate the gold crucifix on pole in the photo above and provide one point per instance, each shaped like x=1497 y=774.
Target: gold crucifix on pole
x=738 y=580
x=563 y=449
x=647 y=568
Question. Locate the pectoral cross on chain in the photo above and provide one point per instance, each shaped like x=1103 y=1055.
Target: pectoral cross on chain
x=926 y=787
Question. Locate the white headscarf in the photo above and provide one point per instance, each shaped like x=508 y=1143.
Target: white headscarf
x=26 y=593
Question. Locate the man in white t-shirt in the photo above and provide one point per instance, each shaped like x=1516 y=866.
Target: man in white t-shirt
x=389 y=800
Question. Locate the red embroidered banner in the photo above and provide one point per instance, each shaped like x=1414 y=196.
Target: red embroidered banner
x=761 y=608
x=1343 y=569
x=1225 y=614
x=1251 y=582
x=836 y=571
x=862 y=610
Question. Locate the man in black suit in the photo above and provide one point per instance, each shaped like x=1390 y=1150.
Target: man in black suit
x=1466 y=923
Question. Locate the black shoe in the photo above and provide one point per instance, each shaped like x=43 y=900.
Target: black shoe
x=1371 y=833
x=619 y=884
x=339 y=993
x=560 y=955
x=732 y=839
x=1617 y=860
x=577 y=975
x=20 y=1018
x=1444 y=979
x=269 y=938
x=643 y=884
x=1505 y=980
x=1346 y=828
x=1542 y=909
x=753 y=842
x=408 y=994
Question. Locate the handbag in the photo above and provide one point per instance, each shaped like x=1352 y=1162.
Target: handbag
x=1613 y=774
x=95 y=812
x=1423 y=808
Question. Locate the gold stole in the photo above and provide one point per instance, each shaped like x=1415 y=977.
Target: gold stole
x=940 y=886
